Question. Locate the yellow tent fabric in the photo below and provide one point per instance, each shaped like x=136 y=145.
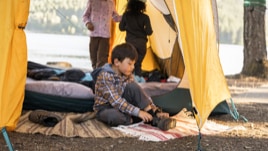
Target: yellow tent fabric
x=196 y=39
x=208 y=85
x=13 y=57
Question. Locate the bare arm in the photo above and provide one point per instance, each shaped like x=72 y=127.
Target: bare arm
x=115 y=16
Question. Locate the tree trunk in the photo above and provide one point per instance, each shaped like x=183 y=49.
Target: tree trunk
x=255 y=53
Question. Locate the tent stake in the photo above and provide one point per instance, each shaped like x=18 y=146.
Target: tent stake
x=4 y=132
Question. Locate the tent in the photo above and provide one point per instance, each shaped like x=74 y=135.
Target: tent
x=184 y=44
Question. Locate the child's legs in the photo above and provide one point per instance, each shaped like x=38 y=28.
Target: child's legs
x=140 y=45
x=112 y=116
x=93 y=50
x=103 y=52
x=134 y=94
x=138 y=64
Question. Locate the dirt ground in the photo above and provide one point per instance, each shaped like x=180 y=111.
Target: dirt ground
x=255 y=138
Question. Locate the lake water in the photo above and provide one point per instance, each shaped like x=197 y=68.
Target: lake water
x=43 y=48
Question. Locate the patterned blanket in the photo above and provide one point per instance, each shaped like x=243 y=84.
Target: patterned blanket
x=85 y=125
x=186 y=126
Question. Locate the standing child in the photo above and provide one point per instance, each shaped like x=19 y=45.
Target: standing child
x=119 y=100
x=97 y=18
x=137 y=26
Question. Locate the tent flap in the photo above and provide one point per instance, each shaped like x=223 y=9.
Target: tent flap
x=13 y=60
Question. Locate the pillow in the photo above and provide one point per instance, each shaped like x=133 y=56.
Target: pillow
x=60 y=88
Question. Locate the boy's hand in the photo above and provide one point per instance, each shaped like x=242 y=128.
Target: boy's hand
x=146 y=117
x=90 y=26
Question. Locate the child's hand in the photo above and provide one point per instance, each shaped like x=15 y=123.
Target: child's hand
x=146 y=117
x=90 y=26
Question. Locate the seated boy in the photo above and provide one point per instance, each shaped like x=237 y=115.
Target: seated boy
x=119 y=100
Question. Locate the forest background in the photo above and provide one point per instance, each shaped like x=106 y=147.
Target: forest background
x=65 y=17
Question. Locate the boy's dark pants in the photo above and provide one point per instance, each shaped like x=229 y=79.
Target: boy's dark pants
x=113 y=117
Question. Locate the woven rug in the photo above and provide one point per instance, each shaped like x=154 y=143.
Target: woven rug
x=85 y=125
x=71 y=125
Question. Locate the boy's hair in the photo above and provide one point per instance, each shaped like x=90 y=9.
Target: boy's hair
x=135 y=7
x=123 y=51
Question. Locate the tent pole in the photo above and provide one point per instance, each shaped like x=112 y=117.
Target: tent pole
x=4 y=132
x=199 y=141
x=195 y=113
